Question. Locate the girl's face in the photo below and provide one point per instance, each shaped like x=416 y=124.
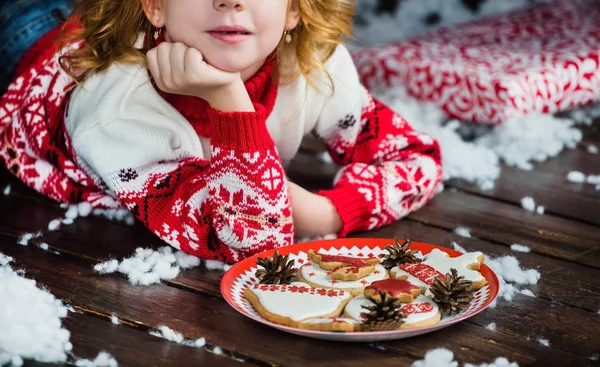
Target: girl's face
x=233 y=35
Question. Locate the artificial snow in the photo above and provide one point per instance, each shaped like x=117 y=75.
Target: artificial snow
x=317 y=238
x=167 y=333
x=544 y=342
x=511 y=275
x=576 y=177
x=27 y=314
x=462 y=231
x=149 y=266
x=595 y=357
x=592 y=149
x=442 y=357
x=519 y=248
x=102 y=360
x=528 y=203
x=26 y=237
x=540 y=209
x=214 y=265
x=527 y=292
x=7 y=190
x=44 y=246
x=491 y=326
x=115 y=320
x=54 y=224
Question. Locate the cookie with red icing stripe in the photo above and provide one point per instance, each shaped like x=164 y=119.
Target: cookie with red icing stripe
x=404 y=290
x=344 y=267
x=437 y=263
x=292 y=304
x=421 y=312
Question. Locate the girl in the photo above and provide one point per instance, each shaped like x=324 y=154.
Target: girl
x=187 y=112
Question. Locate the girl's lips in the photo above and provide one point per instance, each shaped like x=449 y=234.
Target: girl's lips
x=231 y=37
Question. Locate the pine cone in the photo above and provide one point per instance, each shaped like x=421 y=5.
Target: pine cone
x=384 y=314
x=277 y=270
x=452 y=295
x=399 y=254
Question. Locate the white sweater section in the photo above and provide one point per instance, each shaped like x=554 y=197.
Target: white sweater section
x=116 y=119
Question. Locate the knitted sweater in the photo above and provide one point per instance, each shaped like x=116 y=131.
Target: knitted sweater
x=211 y=183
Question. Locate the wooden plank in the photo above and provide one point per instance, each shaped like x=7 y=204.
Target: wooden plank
x=208 y=282
x=133 y=347
x=504 y=223
x=548 y=186
x=194 y=315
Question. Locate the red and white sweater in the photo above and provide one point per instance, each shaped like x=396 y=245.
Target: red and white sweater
x=210 y=183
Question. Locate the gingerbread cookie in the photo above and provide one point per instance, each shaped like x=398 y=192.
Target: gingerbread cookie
x=421 y=312
x=437 y=263
x=291 y=304
x=344 y=267
x=336 y=324
x=313 y=275
x=404 y=290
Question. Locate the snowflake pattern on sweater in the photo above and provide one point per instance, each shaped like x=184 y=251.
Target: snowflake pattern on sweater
x=234 y=203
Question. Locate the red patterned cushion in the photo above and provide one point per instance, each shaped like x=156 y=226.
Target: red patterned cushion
x=542 y=59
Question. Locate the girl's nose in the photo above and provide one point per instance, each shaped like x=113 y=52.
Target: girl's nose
x=229 y=4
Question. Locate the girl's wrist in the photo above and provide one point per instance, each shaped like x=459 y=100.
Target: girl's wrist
x=231 y=98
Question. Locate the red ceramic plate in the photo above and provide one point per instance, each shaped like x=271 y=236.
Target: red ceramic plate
x=241 y=275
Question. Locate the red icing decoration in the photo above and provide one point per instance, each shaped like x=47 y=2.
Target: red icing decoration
x=355 y=261
x=393 y=286
x=415 y=308
x=311 y=274
x=423 y=272
x=298 y=289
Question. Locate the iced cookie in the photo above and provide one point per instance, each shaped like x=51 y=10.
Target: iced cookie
x=421 y=312
x=313 y=275
x=437 y=263
x=331 y=324
x=291 y=304
x=344 y=267
x=404 y=290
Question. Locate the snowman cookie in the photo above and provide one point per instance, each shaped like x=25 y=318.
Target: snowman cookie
x=421 y=312
x=337 y=324
x=313 y=275
x=292 y=304
x=437 y=263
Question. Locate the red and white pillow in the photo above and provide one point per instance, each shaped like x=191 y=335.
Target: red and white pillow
x=541 y=59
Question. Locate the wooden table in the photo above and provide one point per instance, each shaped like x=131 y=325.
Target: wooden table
x=565 y=249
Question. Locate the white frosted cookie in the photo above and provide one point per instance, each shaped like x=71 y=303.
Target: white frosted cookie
x=313 y=275
x=439 y=263
x=421 y=312
x=291 y=304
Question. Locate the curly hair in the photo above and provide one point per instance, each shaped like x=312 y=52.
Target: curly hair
x=109 y=29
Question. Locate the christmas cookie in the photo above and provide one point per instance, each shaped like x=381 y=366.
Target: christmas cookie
x=331 y=324
x=344 y=267
x=313 y=275
x=437 y=263
x=292 y=304
x=421 y=312
x=404 y=290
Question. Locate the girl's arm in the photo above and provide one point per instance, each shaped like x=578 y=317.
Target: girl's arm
x=389 y=169
x=228 y=208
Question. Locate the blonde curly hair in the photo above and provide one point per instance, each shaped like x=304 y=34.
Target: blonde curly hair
x=110 y=28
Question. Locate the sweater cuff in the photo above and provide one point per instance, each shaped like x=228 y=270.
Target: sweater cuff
x=245 y=131
x=352 y=206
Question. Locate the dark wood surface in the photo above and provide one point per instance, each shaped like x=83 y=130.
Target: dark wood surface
x=565 y=245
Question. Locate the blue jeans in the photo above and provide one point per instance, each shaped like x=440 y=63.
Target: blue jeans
x=22 y=23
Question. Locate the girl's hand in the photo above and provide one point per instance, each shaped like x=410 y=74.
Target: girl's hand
x=314 y=215
x=179 y=69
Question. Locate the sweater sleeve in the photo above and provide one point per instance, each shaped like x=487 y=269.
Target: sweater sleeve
x=389 y=170
x=227 y=208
